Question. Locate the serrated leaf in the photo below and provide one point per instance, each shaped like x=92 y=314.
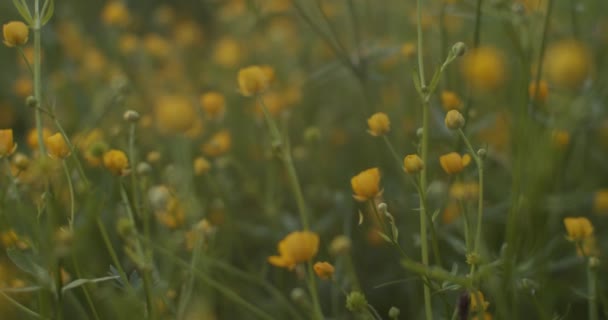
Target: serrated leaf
x=24 y=11
x=79 y=282
x=385 y=237
x=26 y=264
x=49 y=5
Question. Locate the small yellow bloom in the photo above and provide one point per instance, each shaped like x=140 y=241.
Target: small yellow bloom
x=567 y=63
x=254 y=80
x=324 y=270
x=7 y=145
x=32 y=137
x=174 y=114
x=115 y=13
x=15 y=33
x=578 y=228
x=484 y=68
x=454 y=120
x=57 y=147
x=340 y=245
x=412 y=163
x=201 y=166
x=116 y=161
x=378 y=124
x=214 y=104
x=600 y=201
x=366 y=185
x=453 y=163
x=219 y=144
x=478 y=302
x=561 y=138
x=450 y=100
x=539 y=94
x=227 y=52
x=296 y=247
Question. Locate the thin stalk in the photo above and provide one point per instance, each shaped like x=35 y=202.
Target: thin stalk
x=113 y=255
x=21 y=307
x=72 y=149
x=27 y=63
x=87 y=295
x=312 y=287
x=592 y=290
x=189 y=285
x=66 y=170
x=58 y=293
x=37 y=75
x=541 y=54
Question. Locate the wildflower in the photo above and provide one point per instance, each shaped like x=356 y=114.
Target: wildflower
x=324 y=270
x=450 y=100
x=567 y=63
x=450 y=213
x=219 y=144
x=454 y=120
x=174 y=114
x=408 y=49
x=484 y=68
x=478 y=302
x=15 y=33
x=227 y=52
x=356 y=302
x=412 y=163
x=539 y=94
x=453 y=163
x=21 y=161
x=116 y=161
x=464 y=191
x=600 y=201
x=366 y=185
x=57 y=147
x=296 y=247
x=253 y=80
x=201 y=166
x=214 y=104
x=340 y=245
x=115 y=13
x=378 y=124
x=578 y=228
x=7 y=145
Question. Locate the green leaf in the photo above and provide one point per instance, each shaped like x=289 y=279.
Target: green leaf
x=79 y=282
x=385 y=237
x=26 y=264
x=24 y=11
x=49 y=5
x=21 y=290
x=435 y=81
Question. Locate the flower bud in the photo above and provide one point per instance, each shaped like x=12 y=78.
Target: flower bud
x=15 y=33
x=459 y=49
x=31 y=102
x=378 y=124
x=131 y=116
x=201 y=166
x=393 y=313
x=356 y=302
x=412 y=163
x=324 y=270
x=454 y=120
x=254 y=80
x=116 y=161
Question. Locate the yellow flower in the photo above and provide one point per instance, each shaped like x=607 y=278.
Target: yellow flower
x=378 y=124
x=454 y=120
x=453 y=163
x=578 y=228
x=296 y=247
x=464 y=191
x=567 y=63
x=600 y=201
x=450 y=100
x=484 y=68
x=15 y=33
x=116 y=161
x=174 y=114
x=214 y=104
x=366 y=185
x=57 y=147
x=254 y=80
x=219 y=144
x=539 y=94
x=201 y=166
x=32 y=137
x=412 y=163
x=478 y=302
x=561 y=138
x=115 y=13
x=7 y=145
x=324 y=270
x=227 y=52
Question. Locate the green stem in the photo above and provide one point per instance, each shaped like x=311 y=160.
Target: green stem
x=188 y=286
x=71 y=189
x=37 y=76
x=87 y=294
x=58 y=293
x=312 y=287
x=113 y=255
x=72 y=149
x=27 y=63
x=21 y=307
x=541 y=54
x=592 y=290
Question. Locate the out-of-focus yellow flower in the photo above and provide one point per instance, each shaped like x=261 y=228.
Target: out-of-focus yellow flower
x=412 y=163
x=7 y=145
x=57 y=147
x=378 y=124
x=254 y=80
x=172 y=216
x=464 y=191
x=567 y=63
x=484 y=68
x=453 y=163
x=117 y=162
x=32 y=137
x=578 y=228
x=486 y=316
x=187 y=33
x=23 y=86
x=296 y=247
x=227 y=53
x=174 y=114
x=340 y=245
x=201 y=166
x=324 y=270
x=15 y=33
x=214 y=104
x=219 y=144
x=539 y=94
x=366 y=185
x=600 y=201
x=115 y=13
x=408 y=49
x=454 y=120
x=560 y=138
x=450 y=100
x=128 y=43
x=450 y=213
x=478 y=302
x=157 y=46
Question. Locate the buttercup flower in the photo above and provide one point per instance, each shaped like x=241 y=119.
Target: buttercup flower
x=219 y=144
x=539 y=94
x=15 y=33
x=450 y=100
x=366 y=185
x=174 y=114
x=7 y=145
x=32 y=137
x=57 y=147
x=567 y=63
x=201 y=166
x=484 y=68
x=116 y=161
x=478 y=301
x=296 y=247
x=578 y=228
x=600 y=201
x=115 y=13
x=454 y=120
x=324 y=270
x=254 y=80
x=378 y=124
x=412 y=163
x=214 y=104
x=453 y=163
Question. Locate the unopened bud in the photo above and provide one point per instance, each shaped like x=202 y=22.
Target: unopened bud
x=459 y=49
x=131 y=116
